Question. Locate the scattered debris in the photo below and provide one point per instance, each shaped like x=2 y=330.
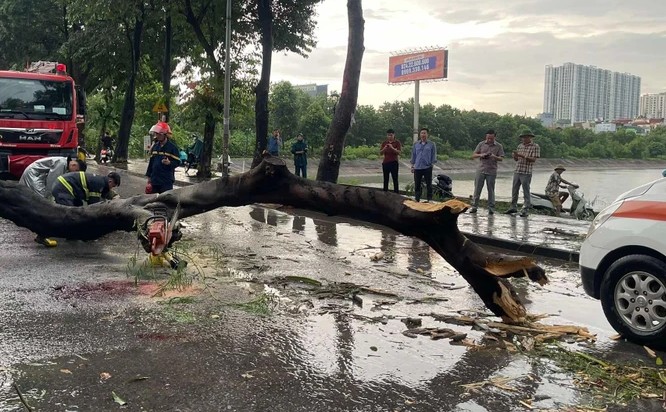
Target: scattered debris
x=104 y=376
x=377 y=257
x=435 y=333
x=412 y=322
x=138 y=378
x=117 y=399
x=499 y=382
x=22 y=398
x=427 y=299
x=303 y=279
x=537 y=332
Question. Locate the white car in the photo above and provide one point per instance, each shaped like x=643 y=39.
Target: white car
x=623 y=263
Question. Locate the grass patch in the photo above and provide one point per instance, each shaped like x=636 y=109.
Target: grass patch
x=608 y=383
x=264 y=305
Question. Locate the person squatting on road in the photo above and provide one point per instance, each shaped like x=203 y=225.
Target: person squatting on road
x=424 y=156
x=553 y=189
x=300 y=151
x=43 y=173
x=72 y=189
x=490 y=152
x=164 y=159
x=391 y=149
x=525 y=155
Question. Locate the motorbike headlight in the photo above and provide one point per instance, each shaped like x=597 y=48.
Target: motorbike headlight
x=603 y=216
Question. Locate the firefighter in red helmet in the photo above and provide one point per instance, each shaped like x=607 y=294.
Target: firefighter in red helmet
x=164 y=159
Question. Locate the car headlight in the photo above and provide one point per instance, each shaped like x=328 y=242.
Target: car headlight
x=603 y=216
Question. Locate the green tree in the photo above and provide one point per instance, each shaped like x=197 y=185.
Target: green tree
x=314 y=124
x=30 y=31
x=368 y=128
x=285 y=106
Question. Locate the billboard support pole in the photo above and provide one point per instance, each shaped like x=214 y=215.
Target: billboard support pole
x=416 y=110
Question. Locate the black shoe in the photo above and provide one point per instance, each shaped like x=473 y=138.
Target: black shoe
x=511 y=211
x=472 y=210
x=491 y=212
x=523 y=213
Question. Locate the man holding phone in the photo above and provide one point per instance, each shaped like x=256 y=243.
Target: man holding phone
x=489 y=151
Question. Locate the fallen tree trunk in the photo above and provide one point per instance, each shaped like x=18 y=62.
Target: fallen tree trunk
x=271 y=182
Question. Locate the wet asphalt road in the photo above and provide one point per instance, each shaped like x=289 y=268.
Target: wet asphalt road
x=78 y=323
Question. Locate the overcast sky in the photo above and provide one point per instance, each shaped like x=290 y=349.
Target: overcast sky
x=497 y=49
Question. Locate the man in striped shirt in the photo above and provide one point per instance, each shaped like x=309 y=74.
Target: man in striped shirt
x=525 y=155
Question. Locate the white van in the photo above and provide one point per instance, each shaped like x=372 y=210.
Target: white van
x=623 y=263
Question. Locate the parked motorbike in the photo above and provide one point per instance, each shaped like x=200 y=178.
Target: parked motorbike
x=105 y=155
x=442 y=186
x=580 y=208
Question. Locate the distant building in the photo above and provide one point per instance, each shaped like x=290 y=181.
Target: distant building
x=547 y=119
x=653 y=106
x=313 y=90
x=579 y=93
x=605 y=127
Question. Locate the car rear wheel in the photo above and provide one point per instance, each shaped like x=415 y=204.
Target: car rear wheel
x=633 y=296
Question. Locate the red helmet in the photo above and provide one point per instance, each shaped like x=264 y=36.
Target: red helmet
x=161 y=127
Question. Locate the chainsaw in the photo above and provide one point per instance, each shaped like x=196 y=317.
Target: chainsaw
x=158 y=233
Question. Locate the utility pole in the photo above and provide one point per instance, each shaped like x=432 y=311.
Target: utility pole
x=227 y=93
x=417 y=83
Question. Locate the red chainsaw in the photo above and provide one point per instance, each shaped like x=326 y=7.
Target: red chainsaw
x=158 y=233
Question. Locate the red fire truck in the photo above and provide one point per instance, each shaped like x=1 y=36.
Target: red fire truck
x=41 y=114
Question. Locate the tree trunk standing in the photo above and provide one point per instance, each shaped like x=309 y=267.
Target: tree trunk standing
x=127 y=117
x=271 y=182
x=166 y=65
x=261 y=113
x=329 y=165
x=204 y=167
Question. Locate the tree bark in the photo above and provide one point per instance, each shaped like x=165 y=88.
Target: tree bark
x=166 y=65
x=271 y=182
x=329 y=165
x=261 y=114
x=127 y=117
x=204 y=166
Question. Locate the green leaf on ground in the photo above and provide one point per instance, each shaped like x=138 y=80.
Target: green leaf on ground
x=303 y=279
x=117 y=399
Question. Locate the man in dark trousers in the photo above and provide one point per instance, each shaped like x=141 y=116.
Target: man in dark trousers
x=300 y=152
x=424 y=155
x=74 y=188
x=390 y=148
x=164 y=159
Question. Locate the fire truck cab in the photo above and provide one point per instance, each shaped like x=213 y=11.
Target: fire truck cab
x=41 y=113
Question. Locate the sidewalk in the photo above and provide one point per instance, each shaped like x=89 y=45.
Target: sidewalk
x=539 y=235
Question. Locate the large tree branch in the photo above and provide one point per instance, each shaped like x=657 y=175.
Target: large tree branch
x=271 y=182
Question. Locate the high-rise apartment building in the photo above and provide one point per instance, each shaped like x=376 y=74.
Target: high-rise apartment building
x=653 y=106
x=577 y=93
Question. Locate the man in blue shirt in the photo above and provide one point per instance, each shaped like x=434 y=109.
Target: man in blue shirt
x=424 y=155
x=273 y=145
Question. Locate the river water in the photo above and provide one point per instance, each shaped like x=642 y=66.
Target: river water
x=599 y=186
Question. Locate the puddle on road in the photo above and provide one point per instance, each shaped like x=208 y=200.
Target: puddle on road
x=336 y=357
